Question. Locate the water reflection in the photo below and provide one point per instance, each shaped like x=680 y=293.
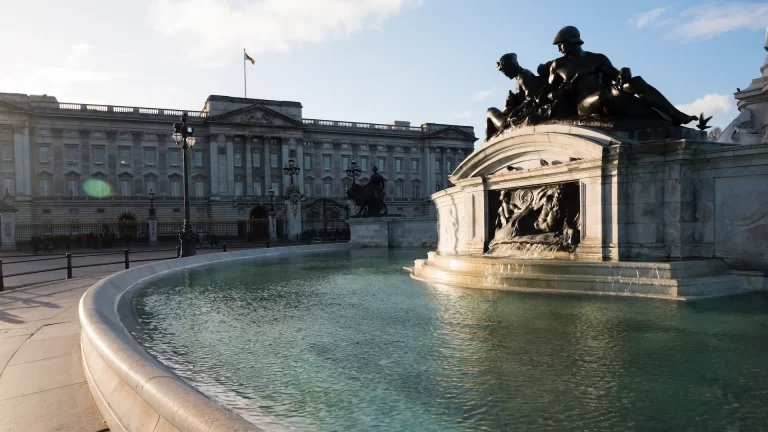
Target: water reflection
x=349 y=342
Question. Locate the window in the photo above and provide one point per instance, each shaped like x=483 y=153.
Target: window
x=438 y=186
x=72 y=155
x=238 y=159
x=73 y=187
x=149 y=156
x=437 y=166
x=8 y=187
x=399 y=190
x=199 y=189
x=448 y=166
x=307 y=162
x=198 y=162
x=45 y=187
x=363 y=164
x=382 y=164
x=327 y=162
x=125 y=188
x=256 y=156
x=173 y=157
x=327 y=189
x=345 y=162
x=414 y=165
x=150 y=186
x=125 y=156
x=7 y=152
x=44 y=154
x=415 y=191
x=257 y=188
x=273 y=160
x=398 y=165
x=175 y=188
x=238 y=188
x=98 y=155
x=100 y=188
x=307 y=190
x=276 y=187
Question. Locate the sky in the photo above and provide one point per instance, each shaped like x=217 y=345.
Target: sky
x=368 y=60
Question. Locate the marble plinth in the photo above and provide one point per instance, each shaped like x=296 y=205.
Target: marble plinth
x=680 y=280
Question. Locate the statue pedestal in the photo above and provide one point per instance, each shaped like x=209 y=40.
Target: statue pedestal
x=293 y=216
x=8 y=228
x=152 y=231
x=272 y=226
x=369 y=232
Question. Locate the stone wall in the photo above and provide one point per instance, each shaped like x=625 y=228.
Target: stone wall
x=393 y=232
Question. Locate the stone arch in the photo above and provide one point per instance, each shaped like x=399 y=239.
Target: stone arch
x=525 y=148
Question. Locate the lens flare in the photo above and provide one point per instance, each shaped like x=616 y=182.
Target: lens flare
x=97 y=188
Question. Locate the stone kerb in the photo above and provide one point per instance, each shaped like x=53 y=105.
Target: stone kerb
x=133 y=391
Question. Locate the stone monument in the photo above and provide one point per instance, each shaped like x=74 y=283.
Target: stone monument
x=589 y=182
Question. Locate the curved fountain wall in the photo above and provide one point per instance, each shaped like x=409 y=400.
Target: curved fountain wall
x=133 y=391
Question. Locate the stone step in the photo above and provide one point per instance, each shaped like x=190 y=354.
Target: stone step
x=657 y=270
x=678 y=288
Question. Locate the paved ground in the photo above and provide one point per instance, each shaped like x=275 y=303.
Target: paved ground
x=42 y=383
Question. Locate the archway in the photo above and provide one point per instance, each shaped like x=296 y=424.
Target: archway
x=126 y=227
x=259 y=219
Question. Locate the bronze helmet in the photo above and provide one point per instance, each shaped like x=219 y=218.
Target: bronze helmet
x=568 y=34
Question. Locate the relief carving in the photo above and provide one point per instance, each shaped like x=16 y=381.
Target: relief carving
x=534 y=219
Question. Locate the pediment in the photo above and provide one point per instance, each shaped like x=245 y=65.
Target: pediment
x=257 y=115
x=98 y=173
x=452 y=132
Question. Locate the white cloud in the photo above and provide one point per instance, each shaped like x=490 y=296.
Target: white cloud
x=464 y=114
x=706 y=21
x=644 y=19
x=217 y=26
x=481 y=95
x=721 y=107
x=76 y=53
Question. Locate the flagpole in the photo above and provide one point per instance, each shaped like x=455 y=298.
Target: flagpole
x=245 y=80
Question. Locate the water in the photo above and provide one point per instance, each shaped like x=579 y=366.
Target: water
x=347 y=342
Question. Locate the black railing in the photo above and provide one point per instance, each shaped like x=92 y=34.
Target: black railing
x=69 y=263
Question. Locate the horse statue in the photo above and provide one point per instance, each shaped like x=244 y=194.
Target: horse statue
x=370 y=197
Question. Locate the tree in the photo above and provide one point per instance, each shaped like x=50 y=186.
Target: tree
x=714 y=134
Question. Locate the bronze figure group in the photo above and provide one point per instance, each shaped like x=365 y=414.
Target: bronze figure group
x=580 y=85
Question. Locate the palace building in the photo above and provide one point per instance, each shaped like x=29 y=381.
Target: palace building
x=78 y=161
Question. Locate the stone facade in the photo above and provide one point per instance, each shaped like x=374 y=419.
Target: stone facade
x=396 y=232
x=72 y=161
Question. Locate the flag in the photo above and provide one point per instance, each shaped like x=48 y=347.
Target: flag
x=247 y=57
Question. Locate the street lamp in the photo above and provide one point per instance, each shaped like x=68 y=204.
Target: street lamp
x=184 y=137
x=151 y=203
x=271 y=200
x=353 y=171
x=291 y=169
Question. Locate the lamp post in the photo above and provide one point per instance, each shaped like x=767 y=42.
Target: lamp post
x=291 y=169
x=151 y=203
x=353 y=171
x=184 y=137
x=271 y=200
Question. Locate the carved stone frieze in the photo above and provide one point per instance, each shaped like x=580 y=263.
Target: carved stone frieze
x=539 y=218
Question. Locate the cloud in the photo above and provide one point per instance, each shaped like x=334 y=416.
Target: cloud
x=481 y=95
x=72 y=71
x=706 y=21
x=721 y=107
x=644 y=19
x=217 y=26
x=76 y=53
x=464 y=114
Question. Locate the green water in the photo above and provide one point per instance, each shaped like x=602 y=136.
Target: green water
x=348 y=342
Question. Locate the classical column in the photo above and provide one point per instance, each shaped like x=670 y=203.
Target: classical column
x=230 y=165
x=285 y=145
x=248 y=167
x=7 y=226
x=21 y=155
x=300 y=163
x=213 y=165
x=427 y=177
x=266 y=164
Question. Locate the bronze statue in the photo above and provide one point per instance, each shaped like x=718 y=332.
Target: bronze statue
x=370 y=197
x=587 y=79
x=520 y=103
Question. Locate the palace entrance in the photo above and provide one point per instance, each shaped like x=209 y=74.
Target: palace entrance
x=325 y=218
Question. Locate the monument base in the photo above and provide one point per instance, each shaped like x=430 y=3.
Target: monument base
x=390 y=231
x=679 y=280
